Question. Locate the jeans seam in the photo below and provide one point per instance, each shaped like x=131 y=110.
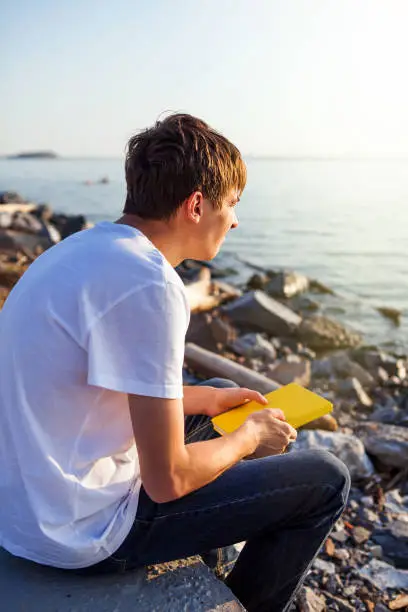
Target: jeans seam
x=196 y=431
x=241 y=500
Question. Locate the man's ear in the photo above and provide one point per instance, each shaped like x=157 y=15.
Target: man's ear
x=194 y=206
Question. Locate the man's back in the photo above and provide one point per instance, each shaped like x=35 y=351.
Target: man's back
x=70 y=329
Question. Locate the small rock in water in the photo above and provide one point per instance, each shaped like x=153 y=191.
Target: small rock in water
x=257 y=281
x=257 y=310
x=391 y=313
x=318 y=287
x=287 y=284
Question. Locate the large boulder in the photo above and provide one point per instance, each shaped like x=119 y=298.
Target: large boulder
x=388 y=443
x=287 y=284
x=256 y=310
x=321 y=333
x=346 y=447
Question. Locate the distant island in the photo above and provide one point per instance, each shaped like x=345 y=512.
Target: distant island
x=34 y=155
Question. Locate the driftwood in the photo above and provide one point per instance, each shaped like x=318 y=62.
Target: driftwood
x=208 y=364
x=205 y=294
x=13 y=208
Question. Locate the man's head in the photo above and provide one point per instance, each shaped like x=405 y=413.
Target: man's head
x=183 y=172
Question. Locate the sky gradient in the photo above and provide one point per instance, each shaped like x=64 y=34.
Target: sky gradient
x=278 y=77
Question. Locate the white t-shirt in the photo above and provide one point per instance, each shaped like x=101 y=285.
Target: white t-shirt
x=99 y=315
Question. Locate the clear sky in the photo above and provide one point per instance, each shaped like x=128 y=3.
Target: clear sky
x=279 y=77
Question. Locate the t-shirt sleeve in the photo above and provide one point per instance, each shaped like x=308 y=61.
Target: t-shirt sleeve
x=137 y=346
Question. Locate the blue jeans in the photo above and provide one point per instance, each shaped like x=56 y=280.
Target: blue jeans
x=283 y=506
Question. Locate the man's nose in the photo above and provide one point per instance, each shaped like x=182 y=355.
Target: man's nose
x=234 y=223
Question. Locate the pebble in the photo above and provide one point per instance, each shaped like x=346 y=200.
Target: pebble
x=361 y=535
x=340 y=536
x=324 y=566
x=342 y=554
x=369 y=515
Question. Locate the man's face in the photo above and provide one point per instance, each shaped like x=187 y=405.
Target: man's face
x=216 y=223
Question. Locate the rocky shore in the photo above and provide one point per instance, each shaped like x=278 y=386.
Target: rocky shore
x=268 y=332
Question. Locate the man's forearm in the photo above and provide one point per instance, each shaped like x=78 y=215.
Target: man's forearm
x=197 y=400
x=203 y=462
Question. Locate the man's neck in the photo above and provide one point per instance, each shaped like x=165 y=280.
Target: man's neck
x=160 y=233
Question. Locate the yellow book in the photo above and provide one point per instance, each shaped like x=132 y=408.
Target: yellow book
x=299 y=405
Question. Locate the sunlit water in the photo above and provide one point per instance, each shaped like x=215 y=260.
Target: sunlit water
x=345 y=223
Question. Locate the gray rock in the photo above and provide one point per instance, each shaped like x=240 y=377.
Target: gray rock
x=341 y=604
x=395 y=503
x=346 y=447
x=257 y=310
x=324 y=566
x=345 y=367
x=257 y=281
x=386 y=414
x=309 y=601
x=394 y=366
x=321 y=333
x=352 y=389
x=290 y=370
x=322 y=368
x=287 y=284
x=342 y=554
x=340 y=536
x=30 y=587
x=384 y=576
x=394 y=545
x=361 y=534
x=389 y=443
x=254 y=345
x=369 y=516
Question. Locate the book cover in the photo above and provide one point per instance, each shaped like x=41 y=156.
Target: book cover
x=299 y=405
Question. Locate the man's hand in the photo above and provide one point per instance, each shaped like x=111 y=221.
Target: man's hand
x=225 y=399
x=272 y=432
x=212 y=401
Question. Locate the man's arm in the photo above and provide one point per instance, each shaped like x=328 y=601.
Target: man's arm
x=212 y=401
x=171 y=469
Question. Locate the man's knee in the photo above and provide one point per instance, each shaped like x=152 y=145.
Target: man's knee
x=220 y=383
x=330 y=471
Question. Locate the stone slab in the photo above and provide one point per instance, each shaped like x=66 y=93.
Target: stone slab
x=27 y=587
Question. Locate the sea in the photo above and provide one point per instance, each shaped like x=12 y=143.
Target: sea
x=342 y=222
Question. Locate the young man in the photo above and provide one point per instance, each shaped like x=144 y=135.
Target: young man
x=98 y=467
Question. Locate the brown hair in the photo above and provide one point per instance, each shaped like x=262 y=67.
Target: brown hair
x=166 y=163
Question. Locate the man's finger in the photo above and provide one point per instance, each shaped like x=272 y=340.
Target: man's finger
x=250 y=394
